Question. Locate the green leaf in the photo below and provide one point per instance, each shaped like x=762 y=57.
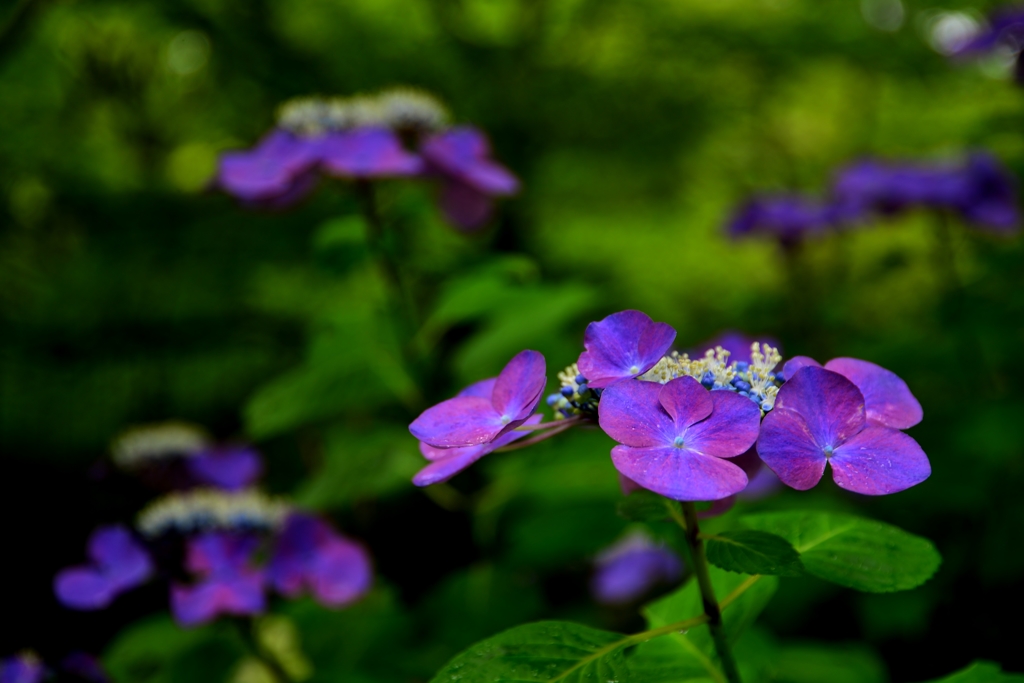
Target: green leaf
x=814 y=663
x=753 y=552
x=858 y=553
x=679 y=655
x=645 y=506
x=157 y=650
x=981 y=672
x=547 y=651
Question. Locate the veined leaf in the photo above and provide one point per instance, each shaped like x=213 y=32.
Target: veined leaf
x=981 y=672
x=754 y=552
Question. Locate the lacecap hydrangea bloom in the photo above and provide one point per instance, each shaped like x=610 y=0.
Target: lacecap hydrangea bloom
x=694 y=429
x=398 y=133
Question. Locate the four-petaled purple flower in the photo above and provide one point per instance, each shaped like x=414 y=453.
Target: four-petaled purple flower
x=119 y=563
x=675 y=439
x=445 y=463
x=622 y=346
x=310 y=555
x=229 y=583
x=474 y=420
x=821 y=417
x=227 y=467
x=788 y=218
x=628 y=570
x=462 y=157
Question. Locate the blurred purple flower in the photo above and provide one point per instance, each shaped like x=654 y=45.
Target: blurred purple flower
x=737 y=344
x=980 y=189
x=820 y=417
x=628 y=570
x=227 y=467
x=310 y=555
x=788 y=218
x=277 y=167
x=1005 y=27
x=22 y=668
x=622 y=346
x=119 y=563
x=228 y=584
x=473 y=420
x=887 y=398
x=366 y=153
x=445 y=463
x=471 y=179
x=675 y=438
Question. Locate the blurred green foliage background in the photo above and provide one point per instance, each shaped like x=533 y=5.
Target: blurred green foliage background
x=129 y=294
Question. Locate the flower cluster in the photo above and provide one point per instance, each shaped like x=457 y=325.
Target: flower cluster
x=397 y=133
x=977 y=188
x=694 y=429
x=236 y=542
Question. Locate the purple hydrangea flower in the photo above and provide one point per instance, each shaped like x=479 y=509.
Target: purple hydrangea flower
x=820 y=418
x=474 y=420
x=675 y=439
x=119 y=563
x=310 y=555
x=628 y=570
x=979 y=188
x=228 y=584
x=275 y=168
x=228 y=467
x=461 y=157
x=622 y=346
x=367 y=153
x=788 y=218
x=445 y=463
x=887 y=398
x=22 y=668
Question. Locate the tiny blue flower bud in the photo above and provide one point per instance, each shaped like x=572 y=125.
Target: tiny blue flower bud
x=580 y=379
x=741 y=384
x=708 y=380
x=553 y=399
x=582 y=390
x=568 y=391
x=742 y=366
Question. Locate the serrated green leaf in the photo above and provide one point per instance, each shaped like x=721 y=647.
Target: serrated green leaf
x=644 y=506
x=862 y=554
x=753 y=552
x=544 y=652
x=981 y=672
x=691 y=654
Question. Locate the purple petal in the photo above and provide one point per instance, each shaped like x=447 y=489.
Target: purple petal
x=796 y=363
x=267 y=170
x=367 y=153
x=459 y=421
x=686 y=401
x=464 y=154
x=788 y=447
x=679 y=473
x=194 y=605
x=729 y=431
x=879 y=460
x=84 y=588
x=631 y=413
x=447 y=462
x=623 y=345
x=299 y=186
x=887 y=398
x=831 y=405
x=519 y=386
x=464 y=206
x=482 y=389
x=230 y=468
x=220 y=553
x=299 y=540
x=124 y=561
x=341 y=573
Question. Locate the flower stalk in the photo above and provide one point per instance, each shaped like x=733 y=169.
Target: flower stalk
x=713 y=611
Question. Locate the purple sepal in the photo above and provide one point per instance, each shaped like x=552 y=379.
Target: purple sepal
x=463 y=153
x=228 y=584
x=820 y=417
x=367 y=153
x=22 y=668
x=621 y=346
x=628 y=570
x=788 y=218
x=677 y=437
x=269 y=169
x=473 y=420
x=310 y=555
x=119 y=563
x=447 y=462
x=228 y=467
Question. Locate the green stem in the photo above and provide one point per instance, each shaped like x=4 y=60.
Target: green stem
x=699 y=564
x=246 y=628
